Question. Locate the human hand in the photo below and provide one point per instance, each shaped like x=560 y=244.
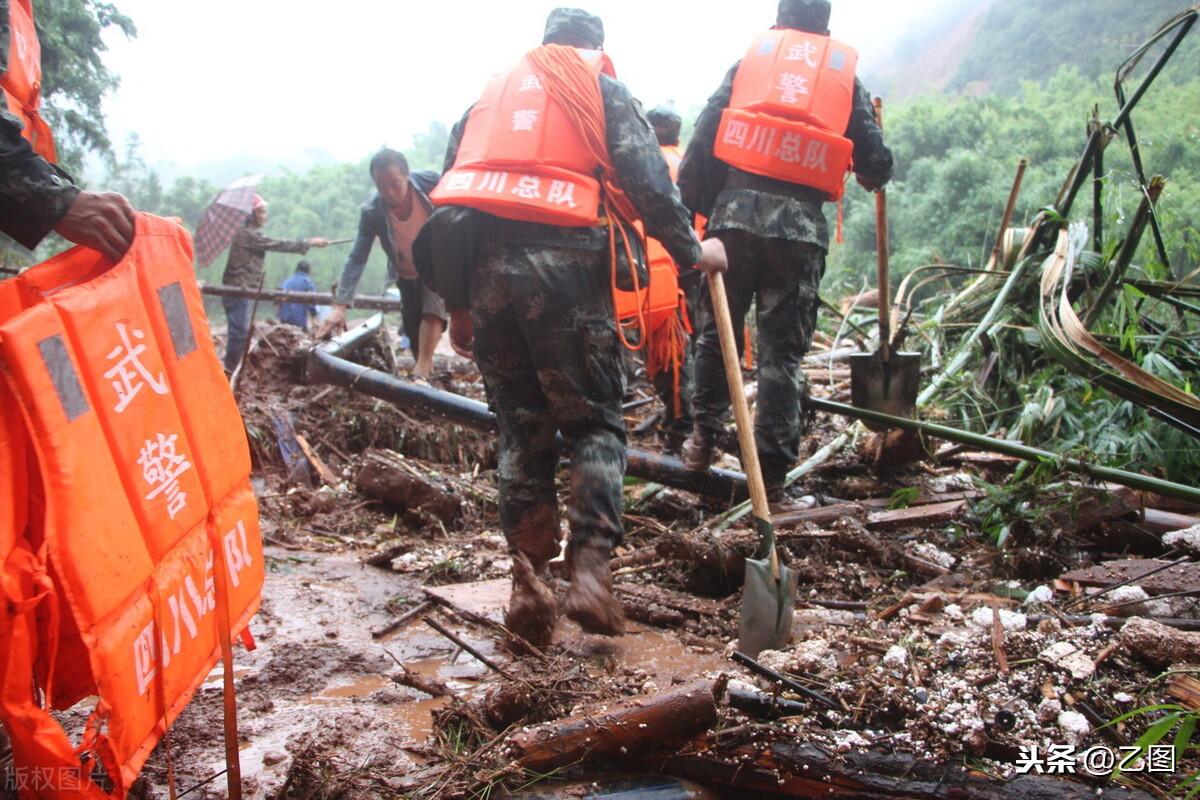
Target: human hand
x=712 y=256
x=317 y=241
x=102 y=221
x=462 y=333
x=333 y=324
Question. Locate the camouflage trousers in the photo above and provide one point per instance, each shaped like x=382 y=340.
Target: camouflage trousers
x=546 y=343
x=781 y=278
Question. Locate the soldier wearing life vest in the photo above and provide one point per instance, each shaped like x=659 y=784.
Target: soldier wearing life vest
x=559 y=158
x=36 y=197
x=668 y=352
x=773 y=144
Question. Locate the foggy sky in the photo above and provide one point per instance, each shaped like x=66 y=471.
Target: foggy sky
x=208 y=81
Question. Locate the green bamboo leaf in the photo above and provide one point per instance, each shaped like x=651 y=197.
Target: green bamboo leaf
x=1183 y=737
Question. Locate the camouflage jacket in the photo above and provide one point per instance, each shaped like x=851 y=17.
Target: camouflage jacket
x=245 y=265
x=733 y=199
x=34 y=195
x=641 y=172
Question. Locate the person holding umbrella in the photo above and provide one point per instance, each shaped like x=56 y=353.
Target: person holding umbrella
x=245 y=269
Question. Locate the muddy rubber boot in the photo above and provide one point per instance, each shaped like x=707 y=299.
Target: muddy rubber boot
x=532 y=610
x=698 y=451
x=590 y=600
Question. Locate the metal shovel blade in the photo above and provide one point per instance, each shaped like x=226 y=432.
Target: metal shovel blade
x=887 y=386
x=768 y=602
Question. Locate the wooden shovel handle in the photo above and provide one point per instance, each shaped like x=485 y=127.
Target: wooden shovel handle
x=883 y=280
x=737 y=396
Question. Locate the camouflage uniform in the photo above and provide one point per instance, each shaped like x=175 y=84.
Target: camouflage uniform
x=776 y=238
x=34 y=195
x=546 y=341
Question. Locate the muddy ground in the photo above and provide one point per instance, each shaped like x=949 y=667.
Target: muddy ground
x=919 y=644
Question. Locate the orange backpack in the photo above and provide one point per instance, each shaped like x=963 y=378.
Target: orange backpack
x=792 y=98
x=139 y=556
x=661 y=297
x=521 y=157
x=22 y=80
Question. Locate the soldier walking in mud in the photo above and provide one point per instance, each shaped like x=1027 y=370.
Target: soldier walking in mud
x=776 y=236
x=541 y=313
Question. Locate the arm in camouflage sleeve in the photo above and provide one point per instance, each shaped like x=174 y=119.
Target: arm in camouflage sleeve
x=872 y=159
x=701 y=174
x=34 y=196
x=643 y=174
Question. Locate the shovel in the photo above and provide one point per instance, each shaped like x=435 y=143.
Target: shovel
x=769 y=593
x=885 y=380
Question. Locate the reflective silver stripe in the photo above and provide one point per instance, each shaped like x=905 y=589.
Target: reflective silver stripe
x=179 y=323
x=63 y=376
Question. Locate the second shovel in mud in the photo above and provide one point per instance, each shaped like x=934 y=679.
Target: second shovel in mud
x=885 y=380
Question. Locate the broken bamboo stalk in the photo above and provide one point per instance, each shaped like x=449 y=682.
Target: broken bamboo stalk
x=634 y=726
x=1014 y=449
x=1129 y=246
x=818 y=458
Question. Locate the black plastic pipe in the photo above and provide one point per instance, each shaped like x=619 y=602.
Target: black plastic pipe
x=326 y=367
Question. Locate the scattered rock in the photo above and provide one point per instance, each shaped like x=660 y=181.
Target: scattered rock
x=1042 y=594
x=1011 y=620
x=1134 y=596
x=1067 y=656
x=1186 y=539
x=897 y=657
x=1074 y=726
x=273 y=757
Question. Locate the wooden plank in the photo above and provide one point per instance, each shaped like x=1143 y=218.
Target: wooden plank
x=936 y=514
x=325 y=472
x=1180 y=578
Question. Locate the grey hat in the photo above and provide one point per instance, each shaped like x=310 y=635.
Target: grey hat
x=804 y=15
x=575 y=27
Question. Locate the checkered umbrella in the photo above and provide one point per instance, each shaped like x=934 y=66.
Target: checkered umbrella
x=223 y=217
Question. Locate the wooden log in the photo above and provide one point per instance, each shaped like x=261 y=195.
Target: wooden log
x=390 y=477
x=635 y=726
x=852 y=537
x=1158 y=644
x=1154 y=575
x=796 y=769
x=415 y=680
x=1112 y=502
x=821 y=515
x=936 y=514
x=1185 y=689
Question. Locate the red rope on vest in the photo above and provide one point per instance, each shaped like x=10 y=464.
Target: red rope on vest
x=577 y=91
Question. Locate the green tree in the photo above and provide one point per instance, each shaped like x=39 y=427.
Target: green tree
x=74 y=77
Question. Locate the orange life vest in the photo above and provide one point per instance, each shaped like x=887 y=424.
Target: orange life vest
x=22 y=80
x=521 y=158
x=661 y=297
x=792 y=98
x=139 y=551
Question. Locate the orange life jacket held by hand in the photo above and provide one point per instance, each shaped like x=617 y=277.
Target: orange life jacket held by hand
x=521 y=158
x=792 y=98
x=22 y=80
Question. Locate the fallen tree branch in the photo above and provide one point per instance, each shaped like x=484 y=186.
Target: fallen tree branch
x=634 y=726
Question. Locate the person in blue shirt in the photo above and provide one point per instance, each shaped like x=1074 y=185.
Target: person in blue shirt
x=298 y=313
